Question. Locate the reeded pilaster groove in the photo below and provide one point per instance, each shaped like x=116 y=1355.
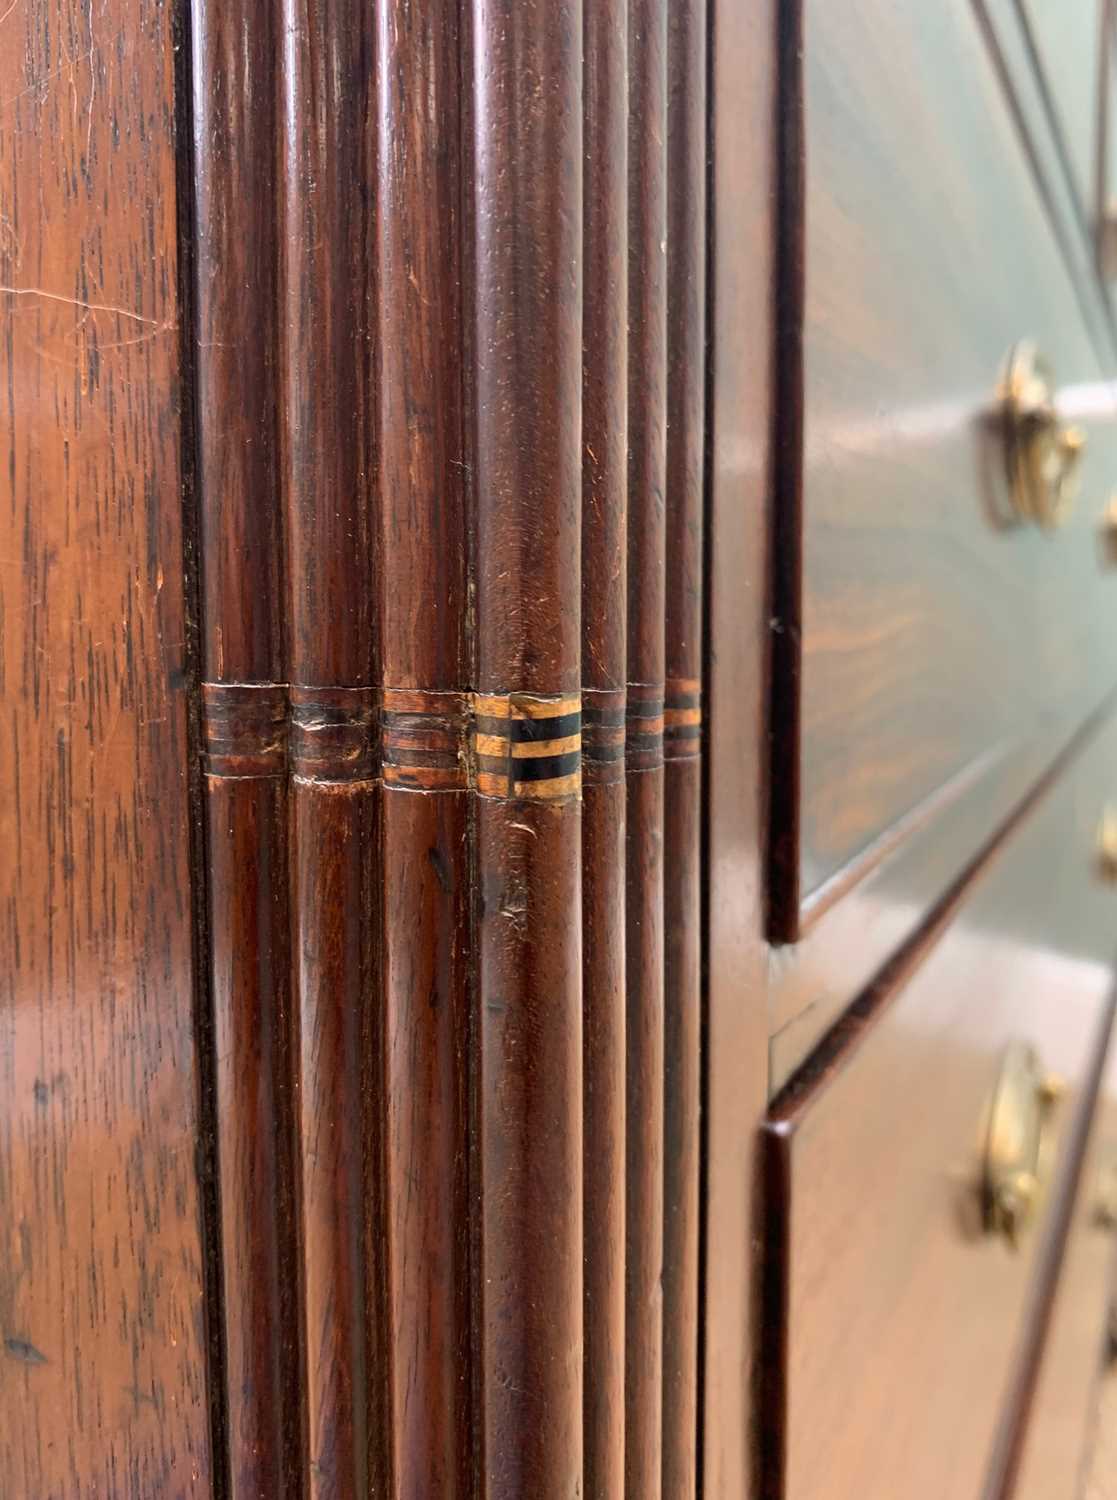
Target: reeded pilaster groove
x=687 y=62
x=645 y=667
x=245 y=726
x=451 y=714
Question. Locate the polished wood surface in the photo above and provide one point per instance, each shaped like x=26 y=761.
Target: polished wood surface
x=1073 y=51
x=604 y=656
x=420 y=320
x=871 y=1157
x=742 y=84
x=103 y=1337
x=646 y=660
x=913 y=597
x=542 y=779
x=244 y=711
x=1054 y=1432
x=326 y=134
x=526 y=458
x=811 y=983
x=686 y=413
x=1012 y=53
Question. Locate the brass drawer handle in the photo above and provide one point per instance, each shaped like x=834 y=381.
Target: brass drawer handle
x=1017 y=1142
x=1042 y=457
x=1106 y=851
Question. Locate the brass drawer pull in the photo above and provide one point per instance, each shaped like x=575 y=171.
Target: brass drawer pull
x=1106 y=850
x=1017 y=1142
x=1042 y=457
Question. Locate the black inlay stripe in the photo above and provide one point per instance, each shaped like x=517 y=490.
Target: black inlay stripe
x=607 y=718
x=684 y=700
x=535 y=768
x=683 y=732
x=523 y=730
x=546 y=767
x=645 y=708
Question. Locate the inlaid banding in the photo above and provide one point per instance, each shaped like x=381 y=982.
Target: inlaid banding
x=603 y=735
x=245 y=728
x=333 y=733
x=643 y=731
x=423 y=738
x=525 y=746
x=682 y=719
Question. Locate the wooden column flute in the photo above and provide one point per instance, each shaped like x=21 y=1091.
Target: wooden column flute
x=686 y=287
x=647 y=233
x=244 y=705
x=425 y=666
x=327 y=132
x=604 y=506
x=526 y=340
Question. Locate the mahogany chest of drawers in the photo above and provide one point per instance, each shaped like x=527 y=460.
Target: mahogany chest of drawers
x=558 y=749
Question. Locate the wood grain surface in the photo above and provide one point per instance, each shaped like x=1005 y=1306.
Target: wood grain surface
x=102 y=1325
x=1048 y=1431
x=234 y=238
x=914 y=596
x=644 y=953
x=742 y=103
x=893 y=1118
x=327 y=163
x=425 y=851
x=525 y=338
x=687 y=65
x=604 y=655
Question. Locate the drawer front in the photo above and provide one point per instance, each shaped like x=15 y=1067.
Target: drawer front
x=1061 y=1415
x=893 y=1317
x=932 y=637
x=1073 y=44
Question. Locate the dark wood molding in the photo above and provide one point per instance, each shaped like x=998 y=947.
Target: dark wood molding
x=525 y=386
x=687 y=138
x=425 y=721
x=646 y=671
x=244 y=710
x=786 y=539
x=604 y=602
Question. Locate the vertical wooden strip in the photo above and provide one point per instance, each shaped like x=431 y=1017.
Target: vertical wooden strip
x=327 y=132
x=742 y=179
x=686 y=294
x=647 y=301
x=102 y=1314
x=425 y=850
x=785 y=602
x=235 y=299
x=604 y=506
x=526 y=116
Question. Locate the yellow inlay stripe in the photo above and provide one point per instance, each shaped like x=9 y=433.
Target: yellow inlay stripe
x=674 y=716
x=492 y=706
x=558 y=786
